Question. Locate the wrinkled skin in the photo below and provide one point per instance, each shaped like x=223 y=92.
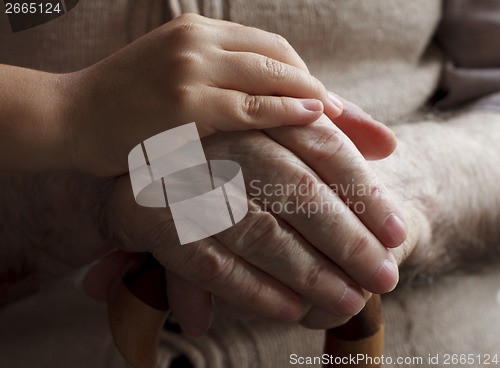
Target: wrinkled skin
x=318 y=269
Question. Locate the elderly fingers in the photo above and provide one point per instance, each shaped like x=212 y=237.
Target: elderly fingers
x=287 y=188
x=215 y=269
x=307 y=204
x=274 y=247
x=206 y=263
x=318 y=318
x=339 y=164
x=373 y=139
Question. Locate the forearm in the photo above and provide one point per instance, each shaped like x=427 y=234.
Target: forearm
x=446 y=176
x=31 y=120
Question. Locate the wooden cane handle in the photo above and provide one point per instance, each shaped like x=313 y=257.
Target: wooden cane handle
x=363 y=334
x=137 y=309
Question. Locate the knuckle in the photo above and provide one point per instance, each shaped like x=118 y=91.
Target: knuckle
x=378 y=191
x=252 y=107
x=188 y=18
x=285 y=105
x=374 y=194
x=327 y=146
x=313 y=279
x=274 y=69
x=263 y=230
x=210 y=265
x=316 y=86
x=355 y=248
x=186 y=28
x=304 y=186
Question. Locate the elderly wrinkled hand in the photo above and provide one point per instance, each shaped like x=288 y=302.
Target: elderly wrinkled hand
x=312 y=247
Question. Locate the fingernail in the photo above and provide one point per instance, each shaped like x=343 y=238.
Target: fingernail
x=312 y=105
x=336 y=102
x=388 y=275
x=394 y=231
x=367 y=294
x=290 y=311
x=352 y=302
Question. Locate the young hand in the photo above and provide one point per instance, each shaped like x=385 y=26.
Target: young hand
x=221 y=75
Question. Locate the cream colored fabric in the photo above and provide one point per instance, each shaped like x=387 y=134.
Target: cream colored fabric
x=378 y=54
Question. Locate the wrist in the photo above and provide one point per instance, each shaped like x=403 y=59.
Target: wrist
x=93 y=123
x=60 y=116
x=71 y=107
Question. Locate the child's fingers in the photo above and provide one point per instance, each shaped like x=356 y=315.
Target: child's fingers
x=254 y=61
x=233 y=110
x=239 y=38
x=275 y=55
x=260 y=75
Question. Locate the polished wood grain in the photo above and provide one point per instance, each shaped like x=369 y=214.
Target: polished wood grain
x=137 y=309
x=363 y=334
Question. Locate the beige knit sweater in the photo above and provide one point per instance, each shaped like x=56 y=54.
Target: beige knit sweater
x=379 y=54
